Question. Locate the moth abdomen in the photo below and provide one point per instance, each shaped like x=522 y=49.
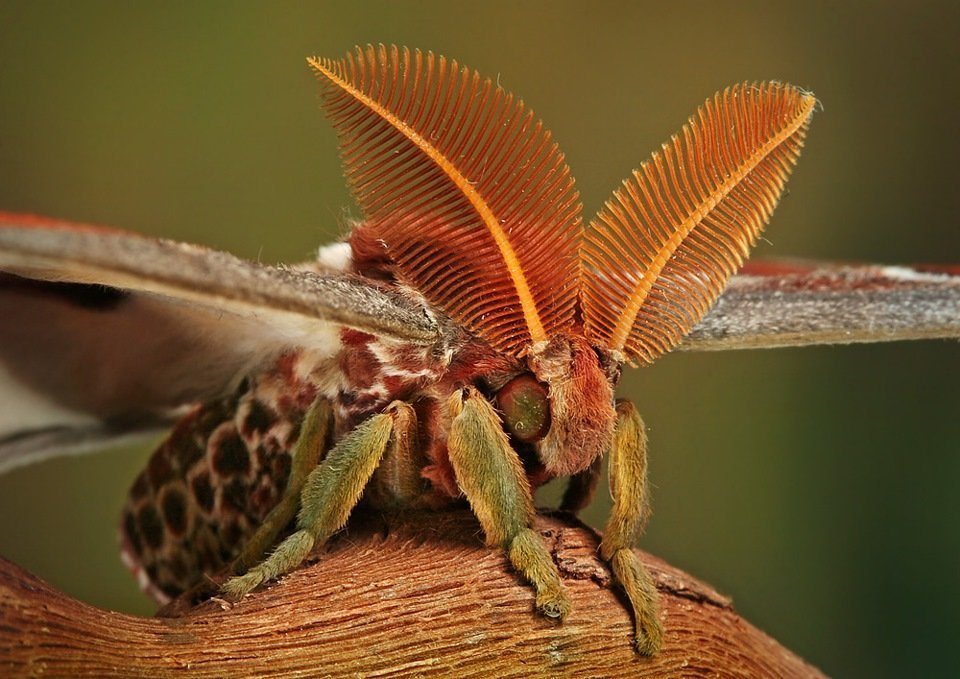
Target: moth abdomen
x=211 y=482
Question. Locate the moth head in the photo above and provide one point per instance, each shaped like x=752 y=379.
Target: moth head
x=475 y=208
x=560 y=408
x=580 y=384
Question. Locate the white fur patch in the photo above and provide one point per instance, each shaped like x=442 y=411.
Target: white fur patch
x=335 y=256
x=388 y=364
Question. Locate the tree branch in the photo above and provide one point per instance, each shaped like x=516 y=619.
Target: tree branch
x=419 y=596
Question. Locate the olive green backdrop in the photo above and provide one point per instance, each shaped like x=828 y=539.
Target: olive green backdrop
x=818 y=487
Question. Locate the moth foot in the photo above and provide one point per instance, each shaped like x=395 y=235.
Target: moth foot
x=649 y=636
x=529 y=555
x=238 y=587
x=642 y=593
x=554 y=604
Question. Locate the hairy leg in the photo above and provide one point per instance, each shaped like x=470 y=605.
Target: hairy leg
x=492 y=477
x=329 y=494
x=314 y=433
x=397 y=483
x=628 y=487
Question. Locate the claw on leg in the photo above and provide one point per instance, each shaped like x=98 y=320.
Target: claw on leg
x=529 y=555
x=287 y=556
x=642 y=593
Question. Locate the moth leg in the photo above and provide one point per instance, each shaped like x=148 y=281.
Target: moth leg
x=397 y=483
x=491 y=476
x=314 y=433
x=628 y=487
x=581 y=488
x=329 y=494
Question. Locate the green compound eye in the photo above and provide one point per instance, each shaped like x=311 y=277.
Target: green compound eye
x=525 y=407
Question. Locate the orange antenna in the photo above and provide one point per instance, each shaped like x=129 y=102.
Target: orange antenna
x=659 y=253
x=472 y=199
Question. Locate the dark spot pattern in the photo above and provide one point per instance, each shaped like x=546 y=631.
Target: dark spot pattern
x=159 y=471
x=208 y=419
x=171 y=589
x=186 y=452
x=232 y=534
x=230 y=455
x=221 y=470
x=174 y=506
x=132 y=531
x=182 y=444
x=140 y=488
x=262 y=500
x=178 y=567
x=279 y=468
x=294 y=435
x=207 y=551
x=234 y=496
x=203 y=491
x=258 y=420
x=151 y=526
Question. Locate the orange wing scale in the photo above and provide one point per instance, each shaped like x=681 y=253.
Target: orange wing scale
x=659 y=253
x=468 y=192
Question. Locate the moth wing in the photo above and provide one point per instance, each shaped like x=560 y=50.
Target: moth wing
x=107 y=335
x=781 y=304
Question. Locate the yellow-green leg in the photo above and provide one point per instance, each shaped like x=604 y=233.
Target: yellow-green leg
x=329 y=494
x=628 y=487
x=492 y=477
x=314 y=432
x=397 y=483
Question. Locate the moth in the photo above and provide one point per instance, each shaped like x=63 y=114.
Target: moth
x=463 y=342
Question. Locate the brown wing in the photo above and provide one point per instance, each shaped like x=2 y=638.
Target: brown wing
x=658 y=254
x=300 y=304
x=106 y=335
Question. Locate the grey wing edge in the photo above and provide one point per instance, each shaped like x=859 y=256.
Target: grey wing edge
x=786 y=304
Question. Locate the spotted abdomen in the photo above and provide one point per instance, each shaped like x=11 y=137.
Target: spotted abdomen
x=212 y=481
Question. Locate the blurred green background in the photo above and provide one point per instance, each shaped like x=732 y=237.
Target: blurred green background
x=818 y=487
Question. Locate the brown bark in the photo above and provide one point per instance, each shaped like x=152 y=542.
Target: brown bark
x=421 y=597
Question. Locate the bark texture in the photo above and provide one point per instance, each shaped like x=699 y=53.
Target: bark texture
x=419 y=596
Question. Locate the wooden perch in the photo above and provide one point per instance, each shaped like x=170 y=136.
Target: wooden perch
x=417 y=597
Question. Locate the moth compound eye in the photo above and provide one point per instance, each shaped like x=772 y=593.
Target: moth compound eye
x=525 y=407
